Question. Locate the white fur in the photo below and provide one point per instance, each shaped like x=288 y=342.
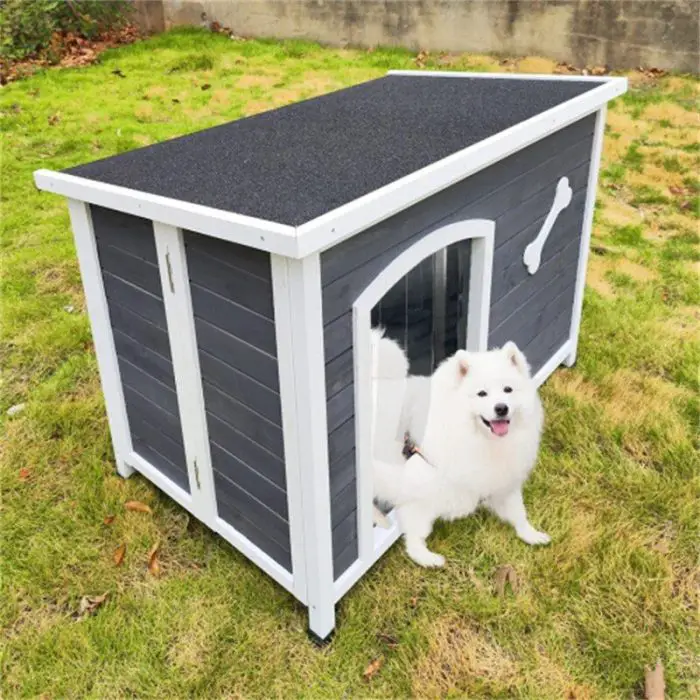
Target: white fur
x=465 y=464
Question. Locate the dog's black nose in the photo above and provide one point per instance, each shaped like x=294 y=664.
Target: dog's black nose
x=501 y=410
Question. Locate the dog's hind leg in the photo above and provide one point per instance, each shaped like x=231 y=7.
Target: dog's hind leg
x=511 y=509
x=416 y=524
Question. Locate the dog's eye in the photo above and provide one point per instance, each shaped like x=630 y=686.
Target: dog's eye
x=507 y=389
x=482 y=393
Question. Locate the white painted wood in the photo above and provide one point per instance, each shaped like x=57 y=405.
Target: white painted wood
x=533 y=252
x=103 y=337
x=304 y=279
x=175 y=282
x=509 y=76
x=482 y=234
x=591 y=193
x=256 y=555
x=439 y=303
x=343 y=222
x=554 y=361
x=157 y=478
x=284 y=321
x=250 y=231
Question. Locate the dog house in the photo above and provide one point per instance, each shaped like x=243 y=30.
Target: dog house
x=232 y=277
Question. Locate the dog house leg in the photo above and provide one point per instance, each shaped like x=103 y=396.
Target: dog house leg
x=103 y=338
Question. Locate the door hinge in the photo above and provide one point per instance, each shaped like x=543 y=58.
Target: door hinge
x=196 y=475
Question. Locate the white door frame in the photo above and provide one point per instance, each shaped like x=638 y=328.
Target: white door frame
x=371 y=543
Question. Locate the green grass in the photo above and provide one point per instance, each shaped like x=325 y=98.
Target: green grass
x=617 y=485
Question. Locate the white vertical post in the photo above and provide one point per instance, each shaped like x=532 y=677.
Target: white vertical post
x=586 y=234
x=480 y=281
x=305 y=321
x=290 y=429
x=439 y=287
x=175 y=282
x=98 y=312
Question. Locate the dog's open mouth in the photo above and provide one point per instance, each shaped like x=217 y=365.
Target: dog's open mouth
x=497 y=427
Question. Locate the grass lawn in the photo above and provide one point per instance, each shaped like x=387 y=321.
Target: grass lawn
x=617 y=485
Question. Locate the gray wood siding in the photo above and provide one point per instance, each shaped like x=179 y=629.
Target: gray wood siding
x=231 y=289
x=532 y=310
x=127 y=252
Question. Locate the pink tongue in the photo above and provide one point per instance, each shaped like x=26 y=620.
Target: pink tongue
x=499 y=427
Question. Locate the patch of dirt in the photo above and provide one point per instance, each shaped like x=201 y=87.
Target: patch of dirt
x=596 y=277
x=253 y=81
x=459 y=659
x=255 y=107
x=637 y=272
x=535 y=64
x=558 y=681
x=654 y=176
x=673 y=113
x=618 y=213
x=285 y=97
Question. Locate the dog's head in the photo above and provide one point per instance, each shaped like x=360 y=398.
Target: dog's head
x=495 y=388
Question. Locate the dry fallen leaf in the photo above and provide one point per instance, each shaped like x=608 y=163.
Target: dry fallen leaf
x=373 y=669
x=505 y=574
x=389 y=640
x=206 y=86
x=654 y=685
x=153 y=565
x=24 y=474
x=413 y=601
x=119 y=553
x=109 y=520
x=54 y=119
x=137 y=506
x=88 y=604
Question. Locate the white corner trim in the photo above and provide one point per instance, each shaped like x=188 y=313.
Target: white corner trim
x=347 y=220
x=247 y=230
x=554 y=361
x=482 y=234
x=103 y=337
x=284 y=335
x=308 y=373
x=591 y=193
x=158 y=479
x=533 y=252
x=175 y=283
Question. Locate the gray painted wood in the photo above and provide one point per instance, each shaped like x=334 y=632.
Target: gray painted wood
x=230 y=493
x=269 y=465
x=256 y=330
x=144 y=358
x=250 y=261
x=231 y=513
x=231 y=288
x=231 y=283
x=245 y=477
x=135 y=299
x=236 y=384
x=343 y=473
x=129 y=233
x=345 y=559
x=240 y=355
x=139 y=329
x=549 y=341
x=517 y=193
x=127 y=253
x=343 y=504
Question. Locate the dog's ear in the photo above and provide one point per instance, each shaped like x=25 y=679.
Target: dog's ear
x=514 y=354
x=463 y=362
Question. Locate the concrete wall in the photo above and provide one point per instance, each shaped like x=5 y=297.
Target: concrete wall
x=619 y=33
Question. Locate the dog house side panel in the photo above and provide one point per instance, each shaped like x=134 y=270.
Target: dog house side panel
x=127 y=253
x=231 y=290
x=517 y=193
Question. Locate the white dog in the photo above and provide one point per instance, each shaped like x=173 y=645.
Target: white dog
x=477 y=423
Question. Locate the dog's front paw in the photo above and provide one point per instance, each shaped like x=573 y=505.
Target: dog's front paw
x=534 y=537
x=427 y=558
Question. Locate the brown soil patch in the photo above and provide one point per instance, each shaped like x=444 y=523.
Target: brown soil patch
x=255 y=107
x=618 y=213
x=285 y=97
x=674 y=113
x=535 y=64
x=655 y=176
x=482 y=61
x=637 y=272
x=596 y=277
x=552 y=677
x=459 y=659
x=156 y=91
x=253 y=81
x=685 y=323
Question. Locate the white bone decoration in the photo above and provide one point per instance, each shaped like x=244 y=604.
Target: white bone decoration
x=562 y=199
